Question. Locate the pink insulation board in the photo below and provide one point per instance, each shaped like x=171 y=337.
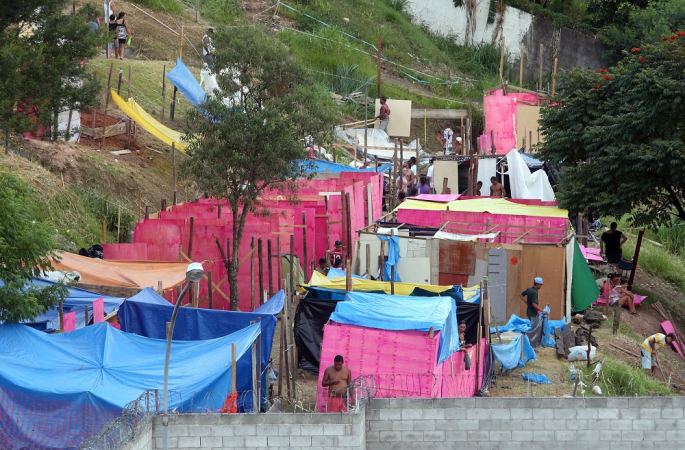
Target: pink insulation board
x=501 y=118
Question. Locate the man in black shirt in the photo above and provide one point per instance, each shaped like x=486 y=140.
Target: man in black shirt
x=531 y=301
x=613 y=241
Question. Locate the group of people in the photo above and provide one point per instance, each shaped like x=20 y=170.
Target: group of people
x=451 y=144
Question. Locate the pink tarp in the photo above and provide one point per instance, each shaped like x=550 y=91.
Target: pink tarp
x=591 y=254
x=501 y=118
x=667 y=326
x=638 y=299
x=441 y=198
x=161 y=238
x=403 y=363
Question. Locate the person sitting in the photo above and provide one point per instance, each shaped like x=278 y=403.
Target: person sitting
x=423 y=186
x=619 y=295
x=322 y=267
x=413 y=192
x=462 y=336
x=479 y=186
x=401 y=197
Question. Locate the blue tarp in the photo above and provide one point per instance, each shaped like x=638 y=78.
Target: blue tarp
x=102 y=366
x=320 y=166
x=76 y=301
x=334 y=272
x=145 y=318
x=185 y=81
x=519 y=325
x=510 y=354
x=393 y=257
x=394 y=312
x=540 y=378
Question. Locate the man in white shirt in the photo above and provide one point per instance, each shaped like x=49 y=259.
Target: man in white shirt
x=447 y=135
x=429 y=175
x=208 y=48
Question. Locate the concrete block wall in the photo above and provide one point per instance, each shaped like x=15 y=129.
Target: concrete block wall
x=262 y=431
x=651 y=423
x=144 y=441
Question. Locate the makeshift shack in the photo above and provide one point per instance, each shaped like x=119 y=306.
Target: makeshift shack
x=409 y=345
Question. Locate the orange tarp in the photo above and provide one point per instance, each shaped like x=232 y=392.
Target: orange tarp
x=123 y=273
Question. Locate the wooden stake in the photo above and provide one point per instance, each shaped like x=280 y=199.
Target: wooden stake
x=343 y=228
x=378 y=93
x=60 y=316
x=210 y=288
x=130 y=75
x=218 y=209
x=104 y=231
x=521 y=66
x=540 y=77
x=252 y=280
x=119 y=225
x=269 y=267
x=368 y=260
x=234 y=390
x=431 y=332
x=163 y=92
x=304 y=244
x=635 y=258
x=349 y=225
x=107 y=95
x=140 y=202
x=328 y=225
x=260 y=262
x=501 y=59
x=160 y=288
x=392 y=280
x=292 y=266
x=279 y=262
x=87 y=317
x=147 y=211
x=173 y=168
x=382 y=261
x=190 y=237
x=554 y=75
x=197 y=11
x=180 y=43
x=281 y=354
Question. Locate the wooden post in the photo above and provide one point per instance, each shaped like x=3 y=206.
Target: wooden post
x=173 y=168
x=163 y=92
x=378 y=93
x=210 y=290
x=234 y=389
x=121 y=76
x=279 y=262
x=381 y=265
x=87 y=317
x=140 y=202
x=635 y=258
x=190 y=237
x=501 y=59
x=197 y=11
x=252 y=293
x=281 y=353
x=348 y=276
x=119 y=225
x=259 y=366
x=478 y=342
x=292 y=268
x=107 y=96
x=304 y=244
x=160 y=288
x=255 y=394
x=521 y=66
x=540 y=77
x=286 y=335
x=60 y=316
x=368 y=260
x=554 y=75
x=349 y=225
x=328 y=225
x=104 y=231
x=447 y=87
x=269 y=266
x=180 y=43
x=343 y=227
x=260 y=262
x=392 y=279
x=130 y=75
x=147 y=211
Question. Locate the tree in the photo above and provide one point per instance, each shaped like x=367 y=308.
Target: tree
x=41 y=54
x=26 y=247
x=238 y=152
x=619 y=135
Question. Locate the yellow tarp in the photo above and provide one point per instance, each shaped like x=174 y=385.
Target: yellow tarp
x=486 y=204
x=149 y=123
x=360 y=284
x=123 y=273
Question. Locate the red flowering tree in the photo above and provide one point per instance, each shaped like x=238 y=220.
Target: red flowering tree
x=618 y=135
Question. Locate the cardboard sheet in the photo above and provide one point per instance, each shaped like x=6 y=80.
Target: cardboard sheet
x=526 y=122
x=400 y=117
x=548 y=262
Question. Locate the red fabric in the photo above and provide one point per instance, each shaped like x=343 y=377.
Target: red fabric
x=230 y=406
x=336 y=405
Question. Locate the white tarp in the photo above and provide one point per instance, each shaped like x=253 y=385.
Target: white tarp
x=487 y=168
x=527 y=185
x=465 y=237
x=376 y=138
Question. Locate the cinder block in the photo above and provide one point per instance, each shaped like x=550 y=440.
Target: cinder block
x=610 y=435
x=565 y=413
x=245 y=430
x=233 y=441
x=521 y=413
x=650 y=413
x=379 y=446
x=176 y=430
x=411 y=414
x=494 y=424
x=222 y=430
x=456 y=436
x=431 y=446
x=552 y=424
x=475 y=436
x=172 y=442
x=210 y=441
x=522 y=435
x=300 y=441
x=543 y=436
x=633 y=435
x=434 y=436
x=628 y=413
x=445 y=425
x=595 y=402
x=188 y=441
x=675 y=435
x=467 y=425
x=390 y=436
x=402 y=425
x=380 y=425
x=545 y=403
x=588 y=413
x=334 y=430
x=643 y=424
x=489 y=445
x=577 y=424
x=412 y=436
x=603 y=424
x=292 y=430
x=479 y=414
x=200 y=430
x=311 y=430
x=349 y=441
x=500 y=436
x=391 y=414
x=666 y=424
x=373 y=414
x=678 y=402
x=621 y=424
x=672 y=413
x=455 y=413
x=543 y=413
x=644 y=445
x=424 y=425
x=606 y=413
x=277 y=441
x=433 y=414
x=565 y=435
x=511 y=424
x=657 y=435
x=324 y=441
x=617 y=402
x=502 y=413
x=267 y=430
x=373 y=436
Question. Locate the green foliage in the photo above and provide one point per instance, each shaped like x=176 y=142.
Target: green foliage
x=618 y=379
x=44 y=66
x=104 y=208
x=619 y=136
x=644 y=26
x=602 y=13
x=237 y=153
x=397 y=5
x=347 y=80
x=25 y=246
x=569 y=18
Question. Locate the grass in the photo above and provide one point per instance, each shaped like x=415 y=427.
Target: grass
x=619 y=379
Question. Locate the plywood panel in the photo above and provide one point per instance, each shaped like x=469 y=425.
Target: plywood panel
x=400 y=117
x=449 y=170
x=549 y=263
x=480 y=272
x=514 y=267
x=414 y=270
x=526 y=121
x=457 y=257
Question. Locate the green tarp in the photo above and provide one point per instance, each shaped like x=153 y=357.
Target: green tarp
x=584 y=290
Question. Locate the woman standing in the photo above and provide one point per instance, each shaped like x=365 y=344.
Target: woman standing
x=122 y=32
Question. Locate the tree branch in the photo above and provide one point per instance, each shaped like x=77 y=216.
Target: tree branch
x=676 y=202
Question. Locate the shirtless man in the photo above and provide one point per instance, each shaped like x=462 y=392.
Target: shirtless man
x=497 y=188
x=336 y=378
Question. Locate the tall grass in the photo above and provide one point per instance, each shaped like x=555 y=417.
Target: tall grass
x=619 y=379
x=171 y=6
x=348 y=79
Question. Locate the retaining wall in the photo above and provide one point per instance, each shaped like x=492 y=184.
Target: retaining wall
x=143 y=442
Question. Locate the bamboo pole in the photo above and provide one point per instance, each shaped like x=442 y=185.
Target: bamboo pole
x=304 y=244
x=554 y=76
x=501 y=59
x=107 y=95
x=163 y=92
x=252 y=293
x=269 y=267
x=279 y=262
x=260 y=261
x=210 y=290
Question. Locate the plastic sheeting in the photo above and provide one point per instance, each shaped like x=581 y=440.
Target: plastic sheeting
x=139 y=315
x=545 y=333
x=527 y=185
x=584 y=290
x=322 y=166
x=76 y=301
x=393 y=312
x=103 y=366
x=393 y=258
x=511 y=356
x=185 y=81
x=132 y=274
x=539 y=378
x=149 y=123
x=489 y=204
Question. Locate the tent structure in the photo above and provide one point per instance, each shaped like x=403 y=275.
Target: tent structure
x=76 y=301
x=410 y=345
x=55 y=390
x=146 y=314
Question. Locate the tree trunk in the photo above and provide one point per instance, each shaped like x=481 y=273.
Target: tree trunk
x=238 y=229
x=233 y=281
x=7 y=141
